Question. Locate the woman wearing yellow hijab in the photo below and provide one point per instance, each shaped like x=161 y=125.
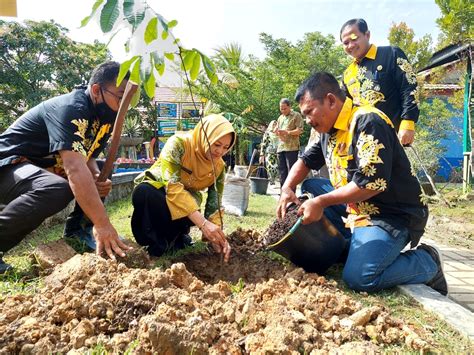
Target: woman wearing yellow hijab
x=167 y=198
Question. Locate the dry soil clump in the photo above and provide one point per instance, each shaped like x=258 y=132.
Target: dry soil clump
x=198 y=305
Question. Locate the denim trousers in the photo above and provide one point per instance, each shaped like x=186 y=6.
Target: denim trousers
x=375 y=259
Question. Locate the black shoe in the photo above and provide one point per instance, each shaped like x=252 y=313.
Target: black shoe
x=438 y=282
x=183 y=241
x=84 y=236
x=4 y=267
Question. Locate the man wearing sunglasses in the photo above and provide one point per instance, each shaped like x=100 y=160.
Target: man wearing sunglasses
x=48 y=157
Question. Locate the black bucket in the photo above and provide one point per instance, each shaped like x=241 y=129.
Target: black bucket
x=314 y=247
x=259 y=185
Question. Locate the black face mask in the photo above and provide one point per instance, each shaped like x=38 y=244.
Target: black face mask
x=104 y=112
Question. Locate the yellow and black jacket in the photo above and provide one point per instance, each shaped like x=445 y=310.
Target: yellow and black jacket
x=385 y=79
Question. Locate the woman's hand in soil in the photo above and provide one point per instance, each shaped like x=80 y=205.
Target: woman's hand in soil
x=287 y=196
x=214 y=234
x=311 y=210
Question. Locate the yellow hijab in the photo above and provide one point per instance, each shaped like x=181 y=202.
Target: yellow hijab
x=195 y=165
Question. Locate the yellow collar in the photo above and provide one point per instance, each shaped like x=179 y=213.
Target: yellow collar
x=371 y=53
x=344 y=118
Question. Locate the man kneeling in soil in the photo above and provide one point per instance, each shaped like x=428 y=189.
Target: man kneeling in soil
x=371 y=187
x=47 y=158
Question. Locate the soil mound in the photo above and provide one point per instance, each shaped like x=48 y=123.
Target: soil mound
x=198 y=305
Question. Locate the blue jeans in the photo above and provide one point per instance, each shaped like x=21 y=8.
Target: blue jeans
x=375 y=260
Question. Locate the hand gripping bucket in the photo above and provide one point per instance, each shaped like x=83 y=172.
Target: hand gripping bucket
x=314 y=247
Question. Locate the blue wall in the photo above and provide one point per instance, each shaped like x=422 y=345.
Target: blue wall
x=453 y=143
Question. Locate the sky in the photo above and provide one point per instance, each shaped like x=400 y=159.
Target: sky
x=208 y=24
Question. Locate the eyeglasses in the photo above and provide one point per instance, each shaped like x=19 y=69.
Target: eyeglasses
x=119 y=98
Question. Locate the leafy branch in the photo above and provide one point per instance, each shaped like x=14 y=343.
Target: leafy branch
x=150 y=44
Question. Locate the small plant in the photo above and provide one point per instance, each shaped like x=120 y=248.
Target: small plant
x=238 y=287
x=132 y=127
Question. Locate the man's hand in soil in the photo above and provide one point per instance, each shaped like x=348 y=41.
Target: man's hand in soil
x=214 y=234
x=287 y=196
x=103 y=187
x=311 y=210
x=109 y=241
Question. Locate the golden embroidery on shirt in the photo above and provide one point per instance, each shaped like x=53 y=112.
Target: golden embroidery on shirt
x=78 y=147
x=81 y=127
x=372 y=97
x=367 y=208
x=378 y=185
x=103 y=131
x=368 y=150
x=369 y=170
x=408 y=69
x=416 y=96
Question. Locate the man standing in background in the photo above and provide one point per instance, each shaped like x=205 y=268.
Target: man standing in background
x=290 y=127
x=381 y=77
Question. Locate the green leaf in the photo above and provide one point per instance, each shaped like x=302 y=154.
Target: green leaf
x=135 y=72
x=160 y=67
x=156 y=57
x=108 y=16
x=172 y=24
x=135 y=98
x=150 y=85
x=188 y=59
x=169 y=56
x=124 y=68
x=194 y=72
x=86 y=20
x=164 y=34
x=133 y=18
x=151 y=31
x=209 y=68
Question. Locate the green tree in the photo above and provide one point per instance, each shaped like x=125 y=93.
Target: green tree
x=38 y=61
x=430 y=131
x=456 y=21
x=418 y=51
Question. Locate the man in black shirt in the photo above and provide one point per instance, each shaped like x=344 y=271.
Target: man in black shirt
x=48 y=157
x=382 y=77
x=371 y=178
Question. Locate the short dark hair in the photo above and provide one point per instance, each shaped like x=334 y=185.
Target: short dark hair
x=285 y=101
x=361 y=25
x=318 y=85
x=106 y=73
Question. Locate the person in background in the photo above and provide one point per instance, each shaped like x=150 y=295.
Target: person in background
x=268 y=151
x=48 y=157
x=314 y=138
x=382 y=77
x=371 y=197
x=289 y=129
x=167 y=198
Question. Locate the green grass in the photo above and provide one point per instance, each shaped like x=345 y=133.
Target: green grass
x=260 y=214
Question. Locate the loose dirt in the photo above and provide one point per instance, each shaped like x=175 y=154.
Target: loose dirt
x=198 y=305
x=279 y=228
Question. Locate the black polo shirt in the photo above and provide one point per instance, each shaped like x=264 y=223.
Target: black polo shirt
x=66 y=122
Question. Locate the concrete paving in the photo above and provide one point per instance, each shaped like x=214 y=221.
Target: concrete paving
x=456 y=309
